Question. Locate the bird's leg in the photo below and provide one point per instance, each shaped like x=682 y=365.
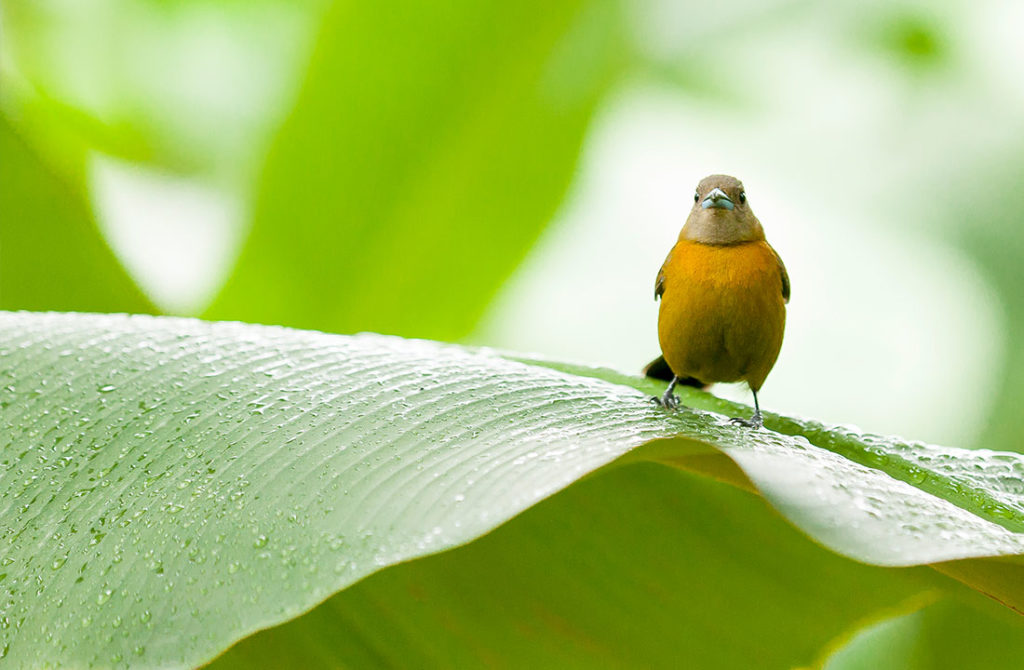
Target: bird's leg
x=669 y=399
x=753 y=422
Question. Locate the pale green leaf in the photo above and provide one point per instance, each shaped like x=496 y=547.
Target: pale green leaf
x=173 y=485
x=637 y=567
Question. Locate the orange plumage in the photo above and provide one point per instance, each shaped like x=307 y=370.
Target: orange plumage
x=722 y=313
x=723 y=293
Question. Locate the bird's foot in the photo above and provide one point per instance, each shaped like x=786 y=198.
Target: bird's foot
x=754 y=422
x=668 y=401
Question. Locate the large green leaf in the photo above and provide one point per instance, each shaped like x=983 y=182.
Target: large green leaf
x=638 y=567
x=169 y=486
x=428 y=148
x=934 y=499
x=948 y=634
x=51 y=253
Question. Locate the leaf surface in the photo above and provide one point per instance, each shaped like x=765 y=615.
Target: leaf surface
x=640 y=566
x=171 y=485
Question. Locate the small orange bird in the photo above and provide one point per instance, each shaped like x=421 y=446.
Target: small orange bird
x=723 y=293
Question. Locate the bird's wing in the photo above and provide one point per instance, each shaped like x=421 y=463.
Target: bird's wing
x=659 y=283
x=783 y=274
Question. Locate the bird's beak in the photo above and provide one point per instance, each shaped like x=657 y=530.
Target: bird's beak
x=717 y=199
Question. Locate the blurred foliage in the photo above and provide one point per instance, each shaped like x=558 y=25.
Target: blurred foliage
x=992 y=232
x=51 y=254
x=191 y=87
x=951 y=634
x=912 y=39
x=407 y=175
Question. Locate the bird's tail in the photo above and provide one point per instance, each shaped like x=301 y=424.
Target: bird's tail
x=659 y=369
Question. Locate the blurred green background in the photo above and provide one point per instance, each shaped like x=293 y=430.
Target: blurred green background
x=512 y=174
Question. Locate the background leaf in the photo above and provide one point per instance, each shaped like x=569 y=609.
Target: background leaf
x=948 y=634
x=406 y=184
x=998 y=247
x=51 y=253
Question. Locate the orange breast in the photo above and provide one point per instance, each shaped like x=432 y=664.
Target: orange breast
x=722 y=313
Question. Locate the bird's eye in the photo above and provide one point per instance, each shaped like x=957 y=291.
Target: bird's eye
x=743 y=197
x=696 y=197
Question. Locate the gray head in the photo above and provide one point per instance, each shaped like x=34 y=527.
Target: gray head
x=721 y=213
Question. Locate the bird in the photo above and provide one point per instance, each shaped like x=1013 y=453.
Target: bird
x=723 y=292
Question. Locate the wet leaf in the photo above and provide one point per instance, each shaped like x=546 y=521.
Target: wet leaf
x=637 y=567
x=174 y=485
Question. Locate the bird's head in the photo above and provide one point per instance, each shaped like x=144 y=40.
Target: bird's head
x=721 y=213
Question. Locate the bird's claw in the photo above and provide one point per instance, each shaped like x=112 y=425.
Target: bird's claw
x=753 y=422
x=668 y=401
